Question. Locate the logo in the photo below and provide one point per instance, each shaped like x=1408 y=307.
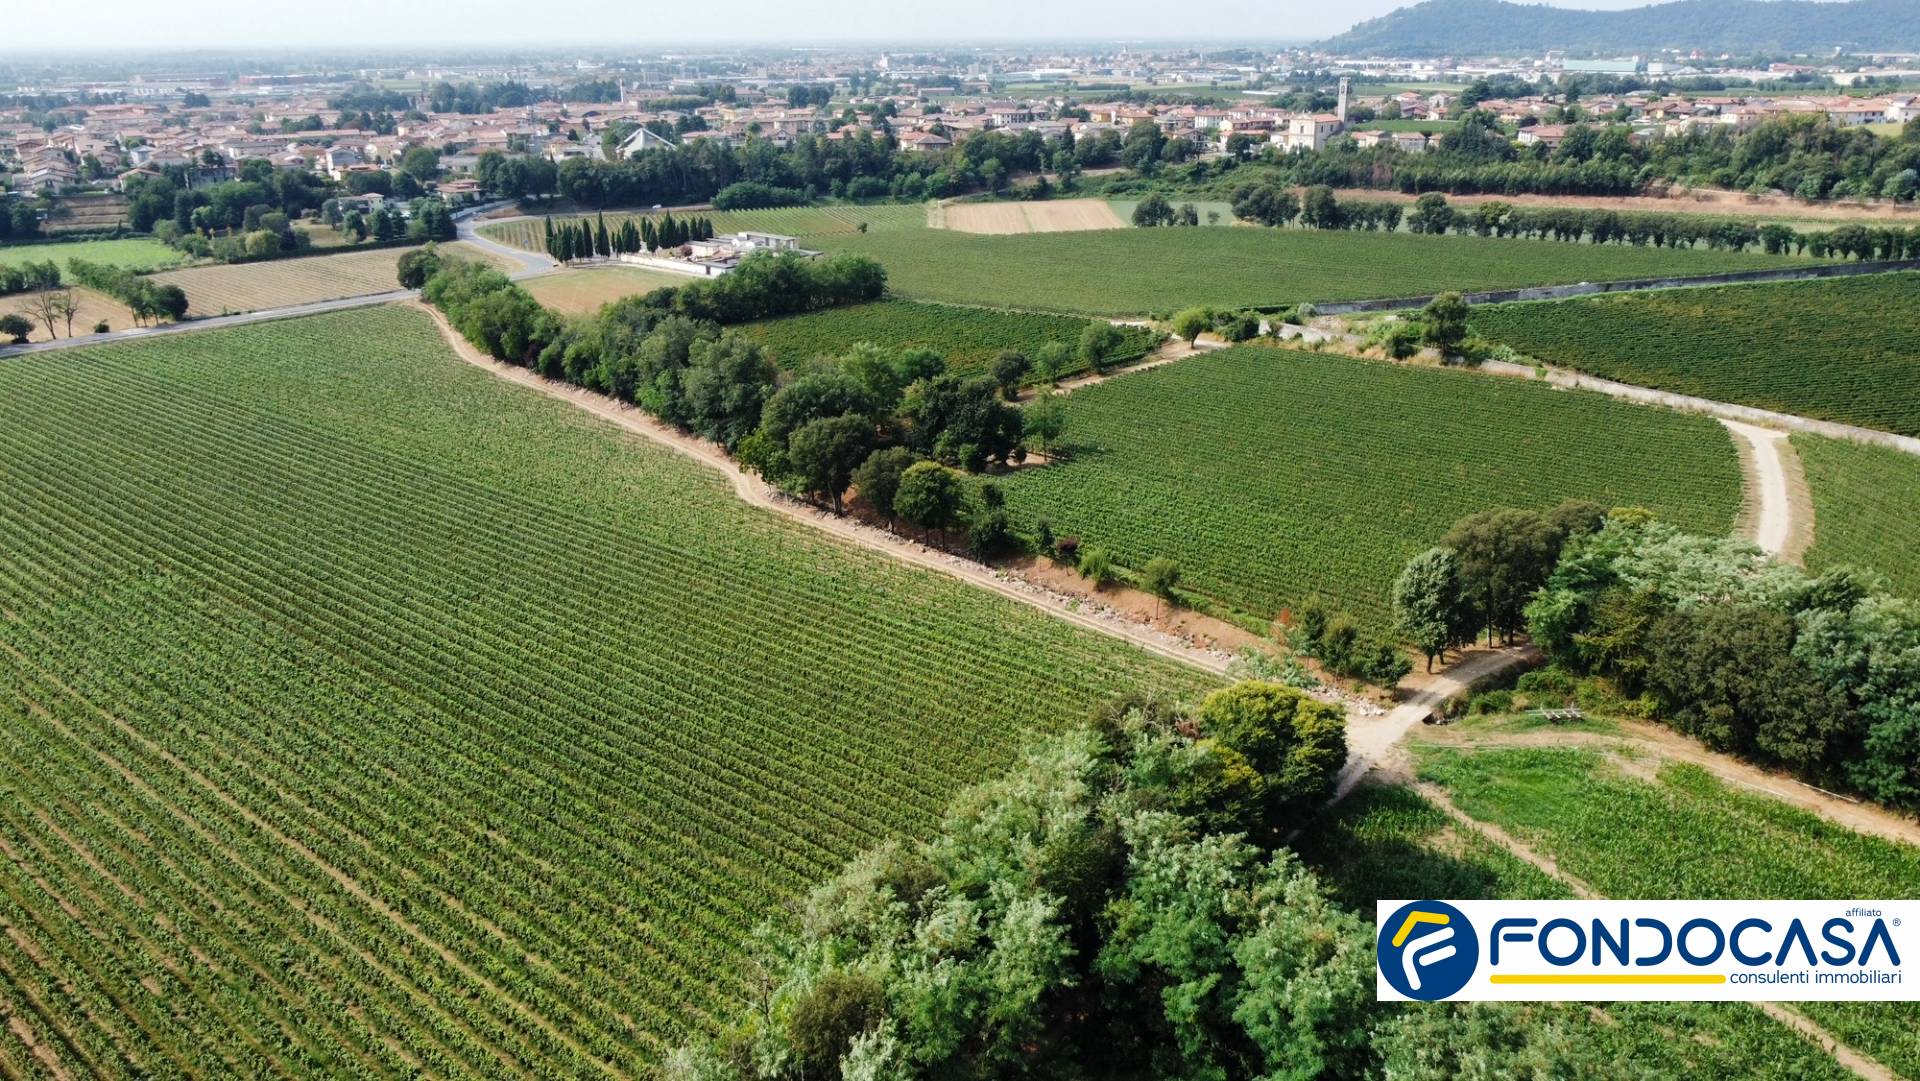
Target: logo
x=1428 y=950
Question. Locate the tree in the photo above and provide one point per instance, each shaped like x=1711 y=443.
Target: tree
x=1431 y=214
x=1190 y=323
x=45 y=309
x=1160 y=577
x=1297 y=745
x=1505 y=555
x=1430 y=605
x=16 y=326
x=824 y=453
x=1046 y=419
x=878 y=478
x=1098 y=344
x=929 y=495
x=1266 y=204
x=1445 y=322
x=1009 y=368
x=1096 y=566
x=1051 y=361
x=415 y=267
x=66 y=309
x=1320 y=209
x=1153 y=210
x=725 y=386
x=961 y=420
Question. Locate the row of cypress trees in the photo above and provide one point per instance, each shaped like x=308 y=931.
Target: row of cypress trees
x=582 y=239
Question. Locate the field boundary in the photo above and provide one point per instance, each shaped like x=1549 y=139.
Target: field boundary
x=1631 y=285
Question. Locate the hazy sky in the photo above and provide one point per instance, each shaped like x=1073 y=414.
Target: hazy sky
x=227 y=24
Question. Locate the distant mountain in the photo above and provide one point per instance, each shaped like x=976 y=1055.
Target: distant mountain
x=1476 y=27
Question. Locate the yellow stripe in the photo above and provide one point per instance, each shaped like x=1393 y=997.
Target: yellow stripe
x=1556 y=977
x=1414 y=919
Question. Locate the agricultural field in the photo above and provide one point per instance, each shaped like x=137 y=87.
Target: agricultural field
x=1124 y=208
x=1387 y=841
x=1833 y=350
x=1271 y=474
x=246 y=287
x=364 y=714
x=1683 y=833
x=1134 y=271
x=804 y=221
x=134 y=253
x=1863 y=507
x=93 y=308
x=1045 y=216
x=968 y=337
x=578 y=292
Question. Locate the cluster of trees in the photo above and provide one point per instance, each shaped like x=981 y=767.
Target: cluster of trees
x=147 y=299
x=519 y=176
x=1155 y=210
x=29 y=276
x=19 y=221
x=896 y=423
x=1441 y=325
x=1483 y=574
x=755 y=195
x=584 y=240
x=1267 y=202
x=867 y=167
x=1803 y=155
x=1338 y=642
x=446 y=97
x=1817 y=674
x=1116 y=906
x=259 y=188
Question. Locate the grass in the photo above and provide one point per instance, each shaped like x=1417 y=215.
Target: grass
x=968 y=337
x=135 y=253
x=1386 y=841
x=1684 y=834
x=578 y=292
x=1131 y=271
x=361 y=709
x=1863 y=506
x=1833 y=349
x=803 y=221
x=1271 y=474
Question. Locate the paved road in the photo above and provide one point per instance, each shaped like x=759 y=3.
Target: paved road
x=530 y=264
x=211 y=323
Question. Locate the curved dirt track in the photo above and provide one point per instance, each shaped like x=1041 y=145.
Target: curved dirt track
x=752 y=490
x=1778 y=513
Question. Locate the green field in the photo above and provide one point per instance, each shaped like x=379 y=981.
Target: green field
x=968 y=337
x=1130 y=271
x=1864 y=500
x=362 y=714
x=1386 y=841
x=803 y=221
x=1270 y=474
x=1835 y=349
x=136 y=253
x=1685 y=834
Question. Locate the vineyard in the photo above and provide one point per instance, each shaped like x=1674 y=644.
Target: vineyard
x=1387 y=841
x=1685 y=834
x=530 y=233
x=1272 y=474
x=1863 y=505
x=1129 y=271
x=968 y=337
x=365 y=715
x=1826 y=349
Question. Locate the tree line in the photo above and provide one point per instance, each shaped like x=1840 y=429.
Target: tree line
x=1815 y=674
x=567 y=241
x=1269 y=203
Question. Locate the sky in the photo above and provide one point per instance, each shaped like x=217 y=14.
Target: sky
x=282 y=24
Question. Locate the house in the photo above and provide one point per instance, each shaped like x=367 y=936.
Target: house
x=1308 y=131
x=338 y=159
x=718 y=255
x=1855 y=114
x=1902 y=109
x=1549 y=135
x=1413 y=142
x=925 y=142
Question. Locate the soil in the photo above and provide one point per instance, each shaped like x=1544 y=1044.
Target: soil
x=94 y=307
x=1046 y=216
x=1723 y=203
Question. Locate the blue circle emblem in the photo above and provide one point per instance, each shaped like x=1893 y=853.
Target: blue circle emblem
x=1428 y=950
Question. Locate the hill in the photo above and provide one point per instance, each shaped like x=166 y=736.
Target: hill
x=1440 y=27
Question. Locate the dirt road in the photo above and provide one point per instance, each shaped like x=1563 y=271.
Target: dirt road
x=1770 y=519
x=1371 y=740
x=752 y=490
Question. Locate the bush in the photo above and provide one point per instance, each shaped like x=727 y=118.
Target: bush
x=753 y=195
x=1096 y=566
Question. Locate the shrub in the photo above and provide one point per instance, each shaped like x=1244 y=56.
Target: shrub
x=1096 y=566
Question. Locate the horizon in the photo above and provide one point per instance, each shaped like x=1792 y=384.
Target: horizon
x=214 y=27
